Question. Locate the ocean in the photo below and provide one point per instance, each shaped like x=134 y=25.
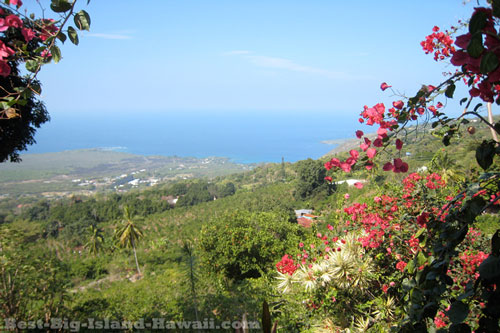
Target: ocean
x=243 y=137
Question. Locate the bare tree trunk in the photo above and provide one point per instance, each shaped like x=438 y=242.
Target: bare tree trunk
x=135 y=256
x=490 y=119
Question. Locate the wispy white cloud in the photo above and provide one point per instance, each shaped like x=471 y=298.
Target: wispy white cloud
x=282 y=63
x=290 y=65
x=237 y=52
x=109 y=36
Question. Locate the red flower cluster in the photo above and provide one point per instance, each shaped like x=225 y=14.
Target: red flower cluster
x=286 y=265
x=45 y=29
x=471 y=261
x=440 y=43
x=401 y=265
x=439 y=320
x=487 y=87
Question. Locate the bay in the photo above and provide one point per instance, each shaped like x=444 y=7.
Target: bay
x=243 y=137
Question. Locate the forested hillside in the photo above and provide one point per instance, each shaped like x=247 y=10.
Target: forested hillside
x=206 y=248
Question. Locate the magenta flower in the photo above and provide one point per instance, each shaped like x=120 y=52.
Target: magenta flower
x=384 y=86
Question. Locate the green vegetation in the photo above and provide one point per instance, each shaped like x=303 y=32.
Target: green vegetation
x=201 y=258
x=89 y=171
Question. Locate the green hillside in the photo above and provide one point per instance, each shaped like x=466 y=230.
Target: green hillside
x=213 y=253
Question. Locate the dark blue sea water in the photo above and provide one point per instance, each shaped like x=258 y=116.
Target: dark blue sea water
x=244 y=137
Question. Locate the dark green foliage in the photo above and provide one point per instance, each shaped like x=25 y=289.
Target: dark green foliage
x=196 y=193
x=226 y=190
x=242 y=245
x=33 y=279
x=18 y=131
x=311 y=178
x=89 y=268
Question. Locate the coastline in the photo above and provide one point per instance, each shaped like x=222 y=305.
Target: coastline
x=343 y=145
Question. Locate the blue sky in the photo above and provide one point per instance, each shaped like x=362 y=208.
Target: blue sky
x=232 y=56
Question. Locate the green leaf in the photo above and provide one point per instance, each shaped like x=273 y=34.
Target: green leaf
x=32 y=65
x=39 y=49
x=477 y=107
x=410 y=267
x=490 y=268
x=432 y=275
x=495 y=244
x=420 y=231
x=463 y=100
x=477 y=22
x=73 y=35
x=458 y=312
x=82 y=20
x=475 y=47
x=496 y=8
x=450 y=90
x=421 y=258
x=497 y=127
x=60 y=6
x=459 y=328
x=61 y=36
x=489 y=62
x=485 y=154
x=56 y=53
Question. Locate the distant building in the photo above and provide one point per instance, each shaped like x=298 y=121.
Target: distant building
x=305 y=222
x=350 y=182
x=302 y=212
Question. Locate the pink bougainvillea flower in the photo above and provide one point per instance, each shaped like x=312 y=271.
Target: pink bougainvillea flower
x=371 y=153
x=384 y=86
x=378 y=142
x=369 y=165
x=330 y=227
x=398 y=104
x=328 y=179
x=399 y=144
x=422 y=219
x=359 y=134
x=382 y=132
x=364 y=146
x=351 y=161
x=430 y=88
x=17 y=3
x=346 y=167
x=354 y=153
x=5 y=51
x=28 y=34
x=388 y=166
x=46 y=54
x=358 y=185
x=400 y=166
x=346 y=196
x=433 y=109
x=4 y=69
x=13 y=21
x=3 y=25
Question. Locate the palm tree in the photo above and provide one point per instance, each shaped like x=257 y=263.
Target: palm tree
x=128 y=234
x=443 y=164
x=96 y=240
